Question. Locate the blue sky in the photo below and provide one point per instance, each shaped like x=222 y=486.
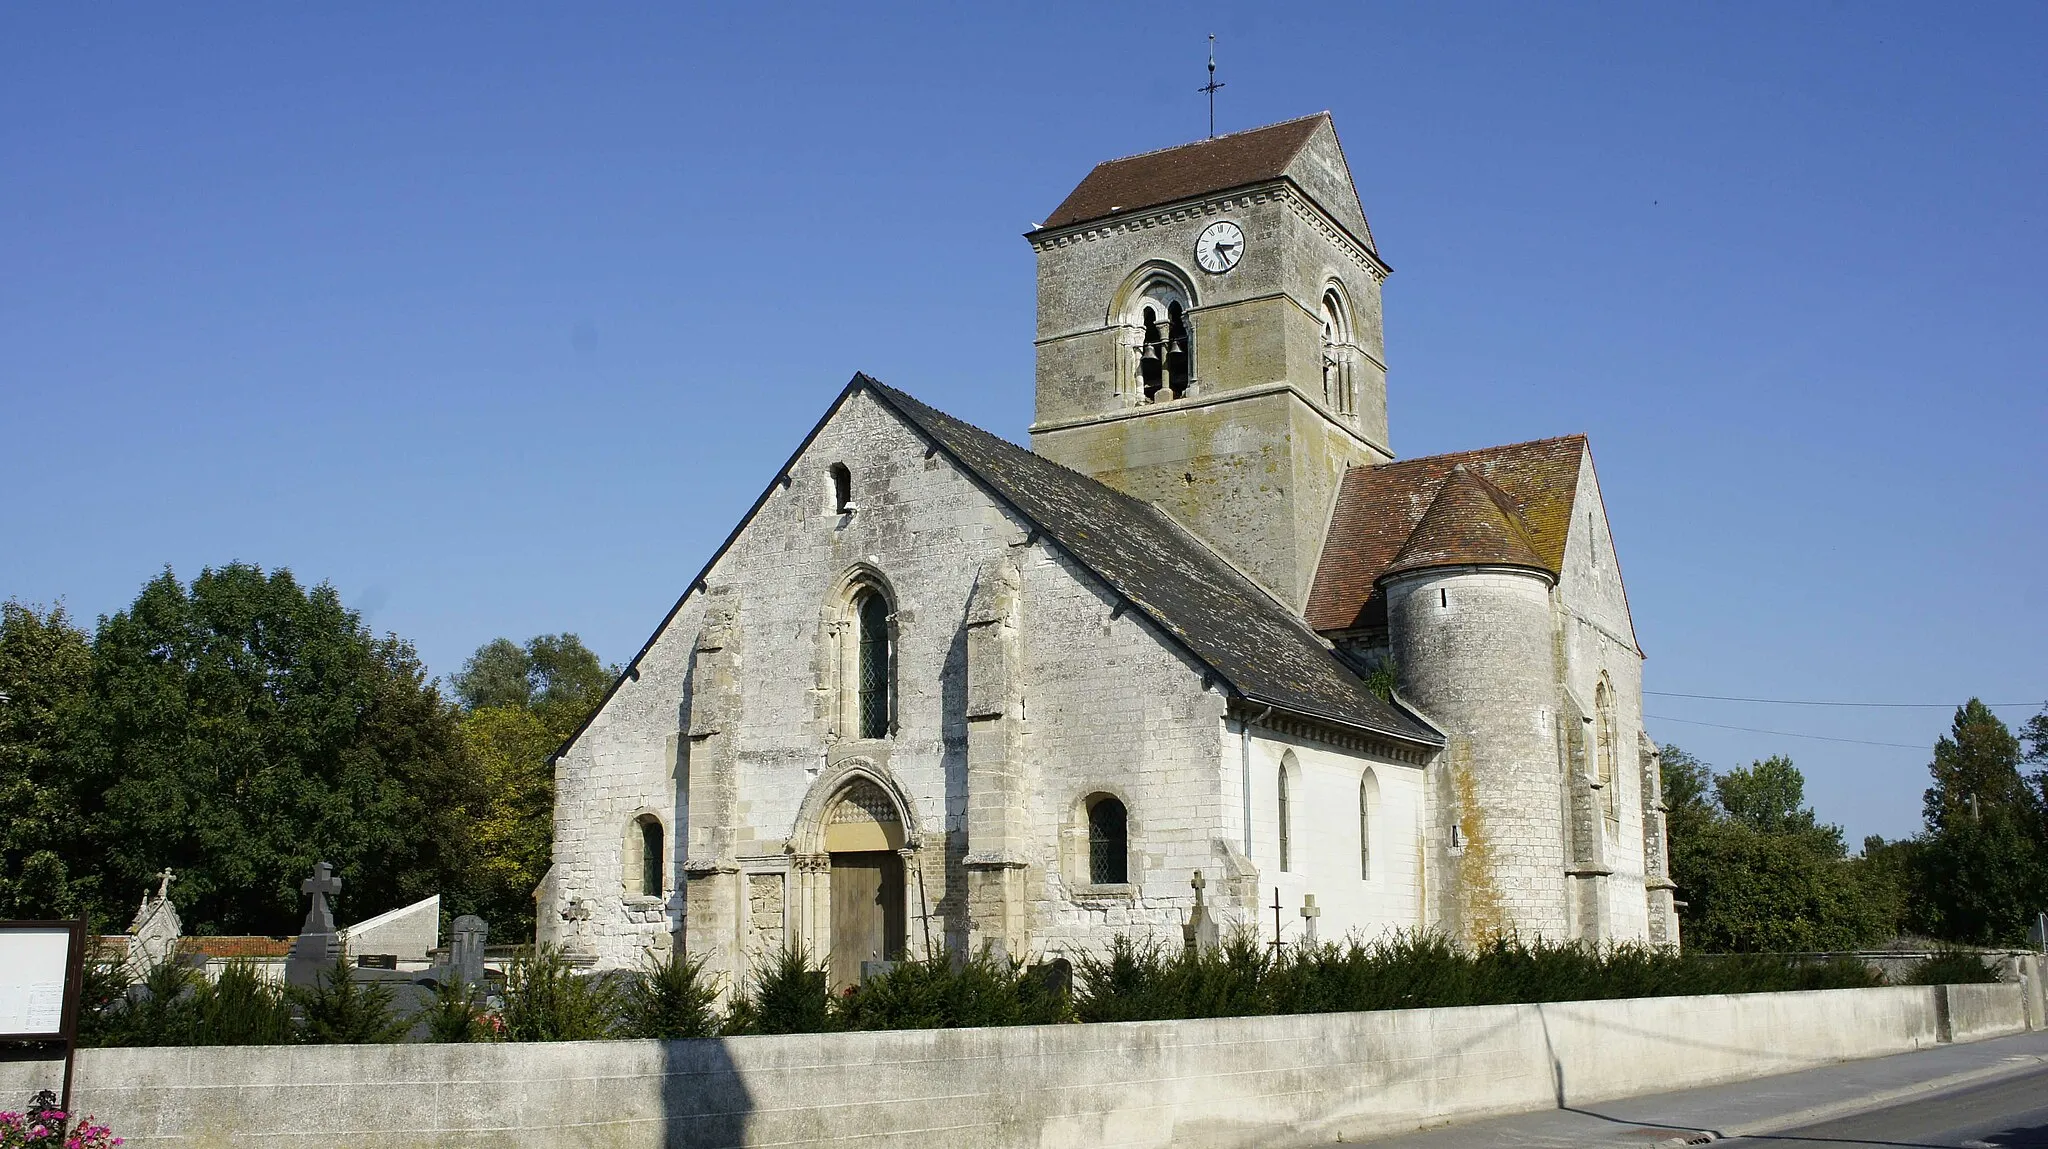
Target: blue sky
x=497 y=317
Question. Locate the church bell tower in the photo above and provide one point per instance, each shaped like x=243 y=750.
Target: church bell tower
x=1209 y=339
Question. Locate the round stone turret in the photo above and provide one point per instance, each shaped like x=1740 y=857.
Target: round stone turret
x=1469 y=621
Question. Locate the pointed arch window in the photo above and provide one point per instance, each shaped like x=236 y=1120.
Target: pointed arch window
x=1603 y=754
x=877 y=665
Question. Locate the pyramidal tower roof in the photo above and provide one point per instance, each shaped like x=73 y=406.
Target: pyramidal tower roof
x=1304 y=151
x=1470 y=522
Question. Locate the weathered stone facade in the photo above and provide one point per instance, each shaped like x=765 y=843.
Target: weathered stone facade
x=1027 y=706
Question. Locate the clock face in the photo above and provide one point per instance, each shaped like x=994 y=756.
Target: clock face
x=1219 y=247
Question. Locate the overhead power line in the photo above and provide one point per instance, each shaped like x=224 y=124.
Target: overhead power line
x=1805 y=702
x=1785 y=733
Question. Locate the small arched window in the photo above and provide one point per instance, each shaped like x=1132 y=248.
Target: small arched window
x=1108 y=842
x=877 y=666
x=1286 y=835
x=643 y=862
x=842 y=490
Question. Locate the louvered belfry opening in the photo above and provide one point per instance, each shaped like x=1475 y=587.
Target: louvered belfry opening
x=876 y=669
x=1108 y=843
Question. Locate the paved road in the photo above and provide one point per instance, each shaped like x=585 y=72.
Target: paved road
x=2009 y=1114
x=1992 y=1093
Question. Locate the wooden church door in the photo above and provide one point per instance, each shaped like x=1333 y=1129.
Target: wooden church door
x=867 y=912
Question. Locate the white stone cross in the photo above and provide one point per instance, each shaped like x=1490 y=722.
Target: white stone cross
x=1310 y=911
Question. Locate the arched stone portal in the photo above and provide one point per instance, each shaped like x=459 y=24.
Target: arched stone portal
x=856 y=851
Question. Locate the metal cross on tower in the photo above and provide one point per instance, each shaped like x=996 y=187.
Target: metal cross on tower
x=1211 y=86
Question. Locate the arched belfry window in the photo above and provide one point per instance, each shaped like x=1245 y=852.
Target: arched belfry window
x=1108 y=842
x=1162 y=345
x=1339 y=391
x=1286 y=811
x=877 y=669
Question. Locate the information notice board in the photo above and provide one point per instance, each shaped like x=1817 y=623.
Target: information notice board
x=41 y=967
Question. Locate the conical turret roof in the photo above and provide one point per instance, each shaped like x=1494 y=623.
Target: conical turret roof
x=1470 y=522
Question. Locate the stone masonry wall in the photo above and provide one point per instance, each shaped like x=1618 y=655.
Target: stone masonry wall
x=1106 y=706
x=1599 y=640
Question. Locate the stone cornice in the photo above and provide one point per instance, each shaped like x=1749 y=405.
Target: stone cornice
x=1208 y=400
x=1282 y=191
x=1309 y=729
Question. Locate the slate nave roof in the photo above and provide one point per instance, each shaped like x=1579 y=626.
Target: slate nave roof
x=1255 y=643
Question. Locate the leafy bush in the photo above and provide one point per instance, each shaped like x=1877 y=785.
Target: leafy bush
x=241 y=1007
x=789 y=996
x=157 y=1011
x=1138 y=981
x=670 y=999
x=337 y=1009
x=1951 y=966
x=547 y=1000
x=936 y=993
x=457 y=1014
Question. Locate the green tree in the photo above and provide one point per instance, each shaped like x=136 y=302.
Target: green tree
x=553 y=675
x=45 y=673
x=1757 y=869
x=243 y=729
x=1982 y=865
x=509 y=819
x=520 y=703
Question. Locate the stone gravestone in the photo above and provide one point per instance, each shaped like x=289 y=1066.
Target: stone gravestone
x=153 y=936
x=466 y=949
x=318 y=946
x=1200 y=932
x=1309 y=913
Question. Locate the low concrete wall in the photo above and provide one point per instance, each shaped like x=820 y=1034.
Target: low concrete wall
x=1980 y=1011
x=1228 y=1082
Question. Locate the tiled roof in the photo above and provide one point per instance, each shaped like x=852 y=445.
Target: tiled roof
x=1379 y=508
x=1186 y=171
x=253 y=946
x=1216 y=614
x=1470 y=521
x=233 y=946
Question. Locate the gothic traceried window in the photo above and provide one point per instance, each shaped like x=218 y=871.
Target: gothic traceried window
x=1108 y=842
x=877 y=666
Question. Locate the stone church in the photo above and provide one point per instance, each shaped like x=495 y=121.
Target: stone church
x=937 y=691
